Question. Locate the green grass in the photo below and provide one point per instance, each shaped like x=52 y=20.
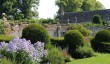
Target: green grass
x=5 y=38
x=99 y=59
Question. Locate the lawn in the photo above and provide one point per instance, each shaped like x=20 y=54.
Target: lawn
x=99 y=59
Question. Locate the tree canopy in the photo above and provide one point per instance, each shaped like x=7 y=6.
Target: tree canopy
x=78 y=5
x=19 y=9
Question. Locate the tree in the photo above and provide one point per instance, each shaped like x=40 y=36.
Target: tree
x=7 y=6
x=19 y=9
x=77 y=5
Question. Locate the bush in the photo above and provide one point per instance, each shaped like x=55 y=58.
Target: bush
x=5 y=38
x=97 y=19
x=103 y=36
x=101 y=42
x=83 y=52
x=2 y=27
x=35 y=32
x=48 y=20
x=82 y=29
x=58 y=42
x=55 y=56
x=100 y=46
x=74 y=39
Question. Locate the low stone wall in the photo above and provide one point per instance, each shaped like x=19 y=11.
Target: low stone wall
x=95 y=29
x=55 y=30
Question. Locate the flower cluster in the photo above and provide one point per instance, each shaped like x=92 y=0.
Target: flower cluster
x=34 y=51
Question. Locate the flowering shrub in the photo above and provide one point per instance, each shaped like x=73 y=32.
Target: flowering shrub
x=22 y=51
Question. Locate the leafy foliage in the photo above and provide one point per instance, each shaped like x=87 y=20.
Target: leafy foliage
x=77 y=6
x=35 y=32
x=101 y=42
x=2 y=27
x=19 y=8
x=103 y=36
x=55 y=56
x=81 y=28
x=74 y=39
x=97 y=19
x=58 y=42
x=83 y=52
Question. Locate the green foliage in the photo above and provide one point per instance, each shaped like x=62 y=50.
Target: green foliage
x=35 y=32
x=58 y=42
x=103 y=36
x=6 y=38
x=19 y=9
x=100 y=46
x=101 y=42
x=48 y=20
x=83 y=52
x=81 y=28
x=55 y=56
x=97 y=19
x=91 y=5
x=5 y=61
x=74 y=39
x=2 y=27
x=77 y=5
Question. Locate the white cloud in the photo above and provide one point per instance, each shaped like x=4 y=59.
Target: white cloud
x=47 y=8
x=106 y=3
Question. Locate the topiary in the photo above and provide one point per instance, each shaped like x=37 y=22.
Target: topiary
x=101 y=42
x=103 y=36
x=97 y=19
x=35 y=32
x=74 y=39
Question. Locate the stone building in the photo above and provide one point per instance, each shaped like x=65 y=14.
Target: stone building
x=78 y=17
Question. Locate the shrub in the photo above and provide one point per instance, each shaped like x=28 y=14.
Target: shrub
x=101 y=42
x=100 y=46
x=2 y=27
x=58 y=42
x=48 y=20
x=35 y=32
x=55 y=56
x=103 y=36
x=6 y=38
x=83 y=52
x=97 y=19
x=82 y=29
x=74 y=39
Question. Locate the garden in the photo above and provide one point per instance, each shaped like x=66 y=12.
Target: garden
x=35 y=45
x=79 y=33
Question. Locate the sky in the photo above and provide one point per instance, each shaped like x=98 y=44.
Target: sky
x=48 y=9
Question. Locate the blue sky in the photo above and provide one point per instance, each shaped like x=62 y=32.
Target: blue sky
x=47 y=8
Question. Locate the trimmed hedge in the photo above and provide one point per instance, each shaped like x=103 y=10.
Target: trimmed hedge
x=100 y=46
x=74 y=39
x=58 y=42
x=97 y=19
x=103 y=36
x=5 y=38
x=36 y=32
x=101 y=42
